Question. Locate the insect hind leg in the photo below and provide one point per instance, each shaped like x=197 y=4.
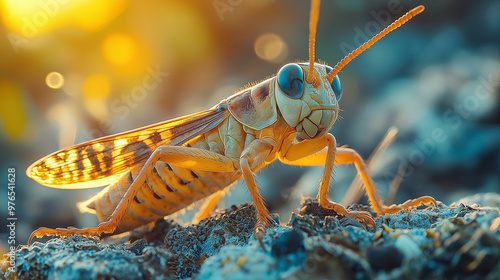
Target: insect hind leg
x=70 y=231
x=175 y=155
x=84 y=207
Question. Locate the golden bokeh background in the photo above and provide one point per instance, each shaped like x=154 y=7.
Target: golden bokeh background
x=72 y=71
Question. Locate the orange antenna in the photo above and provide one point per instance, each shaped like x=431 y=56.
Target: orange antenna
x=402 y=20
x=313 y=22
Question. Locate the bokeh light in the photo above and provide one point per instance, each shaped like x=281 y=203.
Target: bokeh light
x=32 y=18
x=54 y=80
x=119 y=48
x=124 y=64
x=271 y=47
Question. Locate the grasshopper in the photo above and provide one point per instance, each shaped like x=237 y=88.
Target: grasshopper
x=154 y=171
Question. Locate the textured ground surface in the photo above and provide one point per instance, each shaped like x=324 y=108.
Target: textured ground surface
x=458 y=242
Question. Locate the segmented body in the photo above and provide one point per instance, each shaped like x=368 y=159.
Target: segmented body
x=286 y=117
x=171 y=188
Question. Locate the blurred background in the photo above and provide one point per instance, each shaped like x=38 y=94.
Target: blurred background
x=72 y=71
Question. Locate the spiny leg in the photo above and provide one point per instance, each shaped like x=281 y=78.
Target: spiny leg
x=322 y=151
x=354 y=192
x=311 y=152
x=193 y=158
x=264 y=219
x=350 y=156
x=70 y=231
x=253 y=157
x=323 y=198
x=388 y=139
x=410 y=203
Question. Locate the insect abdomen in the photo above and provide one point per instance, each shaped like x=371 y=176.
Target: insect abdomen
x=169 y=188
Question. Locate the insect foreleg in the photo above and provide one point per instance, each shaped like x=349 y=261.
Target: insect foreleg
x=305 y=153
x=310 y=153
x=322 y=151
x=252 y=156
x=350 y=156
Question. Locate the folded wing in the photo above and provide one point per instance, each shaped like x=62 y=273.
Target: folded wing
x=99 y=162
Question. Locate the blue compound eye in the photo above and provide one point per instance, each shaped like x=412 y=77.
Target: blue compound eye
x=336 y=85
x=291 y=80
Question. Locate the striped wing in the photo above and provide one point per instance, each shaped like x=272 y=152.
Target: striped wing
x=101 y=161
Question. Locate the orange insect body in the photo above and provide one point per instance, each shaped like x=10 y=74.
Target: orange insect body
x=169 y=188
x=159 y=169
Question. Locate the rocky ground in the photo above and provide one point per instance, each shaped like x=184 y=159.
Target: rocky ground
x=454 y=242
